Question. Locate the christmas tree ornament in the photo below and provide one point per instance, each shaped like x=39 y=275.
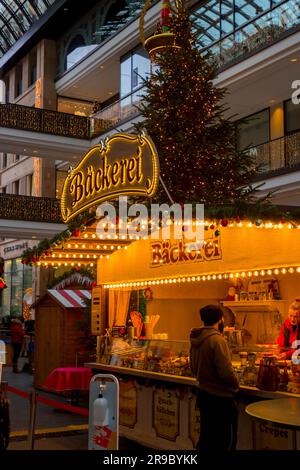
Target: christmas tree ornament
x=163 y=37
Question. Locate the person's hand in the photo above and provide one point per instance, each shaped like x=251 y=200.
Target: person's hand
x=281 y=356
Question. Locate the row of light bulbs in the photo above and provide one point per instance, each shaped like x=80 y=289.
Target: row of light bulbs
x=99 y=247
x=258 y=224
x=206 y=277
x=52 y=264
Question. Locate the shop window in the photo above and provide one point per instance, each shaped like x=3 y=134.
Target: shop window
x=16 y=187
x=17 y=158
x=29 y=185
x=292 y=116
x=18 y=279
x=72 y=106
x=19 y=80
x=4 y=160
x=32 y=67
x=4 y=190
x=6 y=84
x=135 y=68
x=254 y=130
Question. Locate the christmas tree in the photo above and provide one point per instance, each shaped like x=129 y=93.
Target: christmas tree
x=184 y=115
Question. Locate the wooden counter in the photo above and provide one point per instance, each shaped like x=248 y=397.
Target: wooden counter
x=159 y=410
x=178 y=379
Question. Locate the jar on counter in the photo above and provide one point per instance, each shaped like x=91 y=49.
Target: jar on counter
x=268 y=374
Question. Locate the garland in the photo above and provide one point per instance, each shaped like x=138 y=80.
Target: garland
x=80 y=275
x=45 y=247
x=218 y=215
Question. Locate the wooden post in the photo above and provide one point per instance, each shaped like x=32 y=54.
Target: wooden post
x=31 y=431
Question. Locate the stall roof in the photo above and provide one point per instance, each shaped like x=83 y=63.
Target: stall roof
x=241 y=251
x=70 y=298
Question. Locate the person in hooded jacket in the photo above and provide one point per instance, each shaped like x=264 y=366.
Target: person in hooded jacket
x=210 y=361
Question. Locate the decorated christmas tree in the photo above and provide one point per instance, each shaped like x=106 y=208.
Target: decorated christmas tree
x=184 y=113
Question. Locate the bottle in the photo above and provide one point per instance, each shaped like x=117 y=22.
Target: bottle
x=100 y=411
x=130 y=329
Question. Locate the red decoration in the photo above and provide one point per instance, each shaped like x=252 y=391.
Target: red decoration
x=165 y=16
x=2 y=283
x=224 y=222
x=76 y=233
x=212 y=227
x=237 y=219
x=94 y=284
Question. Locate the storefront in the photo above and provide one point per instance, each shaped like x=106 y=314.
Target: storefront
x=157 y=390
x=17 y=296
x=149 y=292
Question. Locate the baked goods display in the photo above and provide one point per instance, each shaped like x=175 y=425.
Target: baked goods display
x=172 y=357
x=166 y=357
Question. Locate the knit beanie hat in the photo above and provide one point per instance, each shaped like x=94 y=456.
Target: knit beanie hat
x=210 y=314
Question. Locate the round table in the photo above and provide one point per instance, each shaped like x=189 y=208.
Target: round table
x=281 y=412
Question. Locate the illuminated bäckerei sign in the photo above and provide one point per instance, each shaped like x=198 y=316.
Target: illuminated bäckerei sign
x=123 y=165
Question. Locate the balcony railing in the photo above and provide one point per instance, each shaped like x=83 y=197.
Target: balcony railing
x=118 y=112
x=257 y=34
x=45 y=121
x=30 y=208
x=278 y=154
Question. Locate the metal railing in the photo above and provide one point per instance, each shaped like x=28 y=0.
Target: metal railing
x=21 y=117
x=257 y=34
x=278 y=154
x=113 y=115
x=30 y=208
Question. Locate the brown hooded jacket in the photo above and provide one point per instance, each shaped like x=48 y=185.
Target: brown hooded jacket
x=211 y=362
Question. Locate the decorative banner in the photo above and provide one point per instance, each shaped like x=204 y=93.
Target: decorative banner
x=165 y=418
x=177 y=252
x=194 y=421
x=128 y=404
x=268 y=436
x=122 y=165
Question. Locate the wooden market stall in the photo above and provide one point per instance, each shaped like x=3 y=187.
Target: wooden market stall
x=58 y=336
x=157 y=403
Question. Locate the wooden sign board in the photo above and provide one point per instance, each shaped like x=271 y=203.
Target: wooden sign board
x=165 y=419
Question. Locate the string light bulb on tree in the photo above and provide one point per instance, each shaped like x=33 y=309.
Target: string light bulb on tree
x=184 y=115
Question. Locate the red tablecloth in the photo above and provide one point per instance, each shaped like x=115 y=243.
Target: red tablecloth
x=69 y=378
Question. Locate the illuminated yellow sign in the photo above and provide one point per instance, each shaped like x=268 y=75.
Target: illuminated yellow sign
x=169 y=253
x=123 y=165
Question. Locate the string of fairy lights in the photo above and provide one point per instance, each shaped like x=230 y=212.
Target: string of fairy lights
x=92 y=246
x=204 y=277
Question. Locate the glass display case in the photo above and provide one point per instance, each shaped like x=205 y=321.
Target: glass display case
x=162 y=356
